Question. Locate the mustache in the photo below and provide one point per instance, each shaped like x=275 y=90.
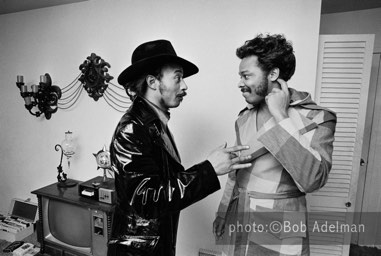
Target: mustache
x=183 y=94
x=245 y=89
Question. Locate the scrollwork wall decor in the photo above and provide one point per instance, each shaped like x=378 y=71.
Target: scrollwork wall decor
x=93 y=78
x=43 y=97
x=96 y=81
x=116 y=98
x=70 y=94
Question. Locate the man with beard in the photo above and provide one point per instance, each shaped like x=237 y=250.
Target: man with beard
x=151 y=184
x=291 y=143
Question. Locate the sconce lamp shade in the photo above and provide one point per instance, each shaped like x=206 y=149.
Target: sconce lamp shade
x=44 y=96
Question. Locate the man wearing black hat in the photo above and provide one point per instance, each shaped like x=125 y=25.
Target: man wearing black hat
x=151 y=184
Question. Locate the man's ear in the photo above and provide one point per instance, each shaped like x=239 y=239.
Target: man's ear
x=151 y=82
x=274 y=74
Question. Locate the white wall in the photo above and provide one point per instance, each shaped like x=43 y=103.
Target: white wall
x=57 y=40
x=356 y=22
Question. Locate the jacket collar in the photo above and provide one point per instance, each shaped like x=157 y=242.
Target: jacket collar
x=163 y=115
x=298 y=98
x=145 y=113
x=141 y=109
x=303 y=99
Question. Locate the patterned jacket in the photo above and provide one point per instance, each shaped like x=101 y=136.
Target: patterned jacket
x=292 y=157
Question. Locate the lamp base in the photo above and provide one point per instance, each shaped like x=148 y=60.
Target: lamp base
x=67 y=184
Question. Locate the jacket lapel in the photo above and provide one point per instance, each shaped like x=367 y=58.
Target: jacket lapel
x=256 y=148
x=169 y=145
x=160 y=134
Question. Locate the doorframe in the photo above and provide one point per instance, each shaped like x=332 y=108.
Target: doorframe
x=375 y=74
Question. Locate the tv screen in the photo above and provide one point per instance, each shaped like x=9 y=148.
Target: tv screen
x=69 y=223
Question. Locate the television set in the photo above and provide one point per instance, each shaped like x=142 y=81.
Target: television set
x=71 y=225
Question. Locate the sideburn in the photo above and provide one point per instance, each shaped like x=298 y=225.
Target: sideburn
x=263 y=87
x=161 y=88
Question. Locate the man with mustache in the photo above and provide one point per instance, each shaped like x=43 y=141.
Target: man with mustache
x=151 y=184
x=291 y=143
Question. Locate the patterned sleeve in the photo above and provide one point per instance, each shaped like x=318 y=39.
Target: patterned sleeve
x=227 y=195
x=303 y=144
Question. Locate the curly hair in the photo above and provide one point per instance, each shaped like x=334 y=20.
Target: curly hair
x=273 y=51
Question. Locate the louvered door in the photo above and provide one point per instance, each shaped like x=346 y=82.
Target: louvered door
x=343 y=74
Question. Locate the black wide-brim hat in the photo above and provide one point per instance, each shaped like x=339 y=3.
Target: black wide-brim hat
x=149 y=56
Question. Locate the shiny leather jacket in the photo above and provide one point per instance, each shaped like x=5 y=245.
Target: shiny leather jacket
x=151 y=185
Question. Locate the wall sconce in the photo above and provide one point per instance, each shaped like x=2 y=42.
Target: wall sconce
x=48 y=98
x=44 y=96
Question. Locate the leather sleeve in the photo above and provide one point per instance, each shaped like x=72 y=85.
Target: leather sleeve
x=144 y=183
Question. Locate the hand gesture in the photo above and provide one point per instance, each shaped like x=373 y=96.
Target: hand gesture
x=225 y=159
x=218 y=227
x=278 y=101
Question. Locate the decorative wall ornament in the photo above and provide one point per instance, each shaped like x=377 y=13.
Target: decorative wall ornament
x=70 y=94
x=93 y=78
x=44 y=96
x=96 y=81
x=117 y=98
